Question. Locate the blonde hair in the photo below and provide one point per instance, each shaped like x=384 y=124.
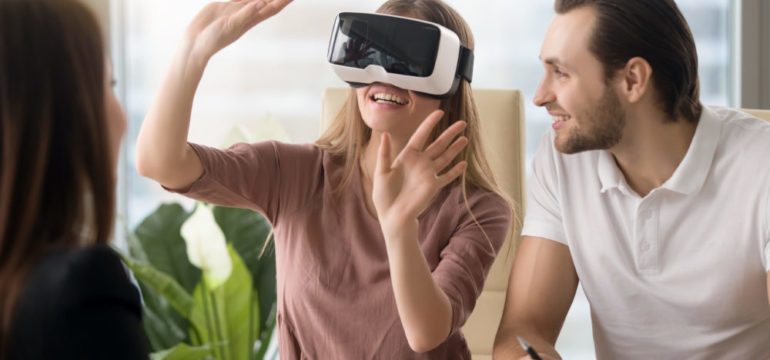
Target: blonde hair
x=348 y=134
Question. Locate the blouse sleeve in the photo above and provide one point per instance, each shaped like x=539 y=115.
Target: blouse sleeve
x=467 y=258
x=267 y=177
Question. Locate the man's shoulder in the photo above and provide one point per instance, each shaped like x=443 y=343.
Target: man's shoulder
x=744 y=137
x=739 y=126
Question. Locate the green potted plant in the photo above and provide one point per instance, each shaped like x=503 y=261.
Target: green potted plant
x=207 y=279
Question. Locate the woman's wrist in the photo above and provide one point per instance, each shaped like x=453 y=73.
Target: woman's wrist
x=191 y=58
x=397 y=228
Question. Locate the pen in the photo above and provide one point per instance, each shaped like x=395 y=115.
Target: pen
x=528 y=348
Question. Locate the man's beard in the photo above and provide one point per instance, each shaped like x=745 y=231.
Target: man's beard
x=602 y=126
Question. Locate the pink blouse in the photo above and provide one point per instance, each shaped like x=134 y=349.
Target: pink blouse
x=335 y=298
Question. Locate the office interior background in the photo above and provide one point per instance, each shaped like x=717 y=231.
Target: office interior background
x=268 y=85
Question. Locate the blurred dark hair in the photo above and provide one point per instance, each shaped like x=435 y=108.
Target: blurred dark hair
x=56 y=172
x=656 y=31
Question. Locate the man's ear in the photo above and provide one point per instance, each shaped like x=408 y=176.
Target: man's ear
x=636 y=79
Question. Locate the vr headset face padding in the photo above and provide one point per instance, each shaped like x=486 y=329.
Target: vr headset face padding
x=411 y=54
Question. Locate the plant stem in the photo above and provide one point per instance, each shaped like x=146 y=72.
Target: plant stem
x=218 y=324
x=209 y=328
x=251 y=324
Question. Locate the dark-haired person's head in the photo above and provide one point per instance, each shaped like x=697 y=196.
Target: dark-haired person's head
x=60 y=131
x=603 y=56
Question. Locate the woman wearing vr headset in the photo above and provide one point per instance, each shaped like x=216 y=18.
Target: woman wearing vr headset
x=386 y=227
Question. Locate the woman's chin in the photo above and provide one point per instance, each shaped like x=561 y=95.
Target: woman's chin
x=383 y=124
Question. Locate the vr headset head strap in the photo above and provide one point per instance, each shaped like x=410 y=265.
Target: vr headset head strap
x=465 y=64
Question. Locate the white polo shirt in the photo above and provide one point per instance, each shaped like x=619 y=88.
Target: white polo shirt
x=682 y=272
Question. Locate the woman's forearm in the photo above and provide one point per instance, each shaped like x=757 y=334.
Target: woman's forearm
x=162 y=150
x=423 y=307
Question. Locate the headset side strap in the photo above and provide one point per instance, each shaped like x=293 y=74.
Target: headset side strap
x=465 y=65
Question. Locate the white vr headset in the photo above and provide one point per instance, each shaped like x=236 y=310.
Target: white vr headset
x=411 y=54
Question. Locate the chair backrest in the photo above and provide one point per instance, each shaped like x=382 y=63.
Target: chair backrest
x=502 y=131
x=761 y=114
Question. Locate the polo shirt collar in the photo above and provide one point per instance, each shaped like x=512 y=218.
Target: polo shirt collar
x=690 y=175
x=610 y=175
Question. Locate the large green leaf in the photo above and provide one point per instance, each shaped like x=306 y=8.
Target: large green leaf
x=158 y=243
x=182 y=352
x=161 y=333
x=164 y=247
x=163 y=326
x=164 y=285
x=224 y=313
x=267 y=333
x=247 y=231
x=254 y=327
x=266 y=288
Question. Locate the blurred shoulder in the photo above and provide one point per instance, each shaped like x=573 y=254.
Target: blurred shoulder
x=78 y=302
x=64 y=278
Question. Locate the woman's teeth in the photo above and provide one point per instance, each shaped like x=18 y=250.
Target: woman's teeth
x=389 y=98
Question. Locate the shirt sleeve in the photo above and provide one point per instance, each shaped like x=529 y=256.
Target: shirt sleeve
x=467 y=258
x=543 y=215
x=267 y=177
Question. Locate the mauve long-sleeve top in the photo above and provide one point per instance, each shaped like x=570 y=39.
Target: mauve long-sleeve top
x=335 y=297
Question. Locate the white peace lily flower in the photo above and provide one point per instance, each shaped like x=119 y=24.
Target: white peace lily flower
x=206 y=246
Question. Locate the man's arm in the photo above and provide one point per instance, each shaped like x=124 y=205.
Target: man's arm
x=541 y=288
x=768 y=287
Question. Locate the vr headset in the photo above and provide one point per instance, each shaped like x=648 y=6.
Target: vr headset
x=411 y=54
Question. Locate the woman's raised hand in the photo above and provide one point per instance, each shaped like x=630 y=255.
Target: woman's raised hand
x=221 y=23
x=163 y=153
x=404 y=187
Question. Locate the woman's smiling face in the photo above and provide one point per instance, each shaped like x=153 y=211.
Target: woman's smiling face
x=386 y=108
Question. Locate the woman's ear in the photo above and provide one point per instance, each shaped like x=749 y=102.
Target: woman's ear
x=636 y=79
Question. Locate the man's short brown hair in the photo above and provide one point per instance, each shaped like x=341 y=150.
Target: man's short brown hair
x=656 y=31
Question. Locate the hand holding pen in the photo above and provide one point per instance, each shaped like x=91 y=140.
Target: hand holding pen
x=528 y=348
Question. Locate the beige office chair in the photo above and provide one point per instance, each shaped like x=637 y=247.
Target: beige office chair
x=502 y=131
x=762 y=114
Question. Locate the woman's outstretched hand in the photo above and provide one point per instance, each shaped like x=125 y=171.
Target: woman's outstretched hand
x=221 y=23
x=163 y=153
x=404 y=187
